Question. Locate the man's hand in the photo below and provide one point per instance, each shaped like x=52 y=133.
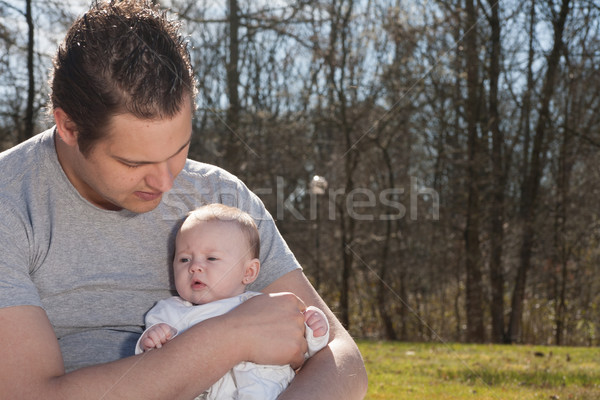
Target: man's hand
x=337 y=371
x=31 y=365
x=271 y=329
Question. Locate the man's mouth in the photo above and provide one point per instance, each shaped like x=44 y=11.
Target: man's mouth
x=148 y=196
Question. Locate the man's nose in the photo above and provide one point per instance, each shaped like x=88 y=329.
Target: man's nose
x=161 y=178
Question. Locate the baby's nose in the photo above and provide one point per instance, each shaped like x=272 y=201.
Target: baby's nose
x=196 y=266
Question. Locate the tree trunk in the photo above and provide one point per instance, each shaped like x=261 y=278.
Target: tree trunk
x=529 y=192
x=474 y=306
x=28 y=130
x=232 y=159
x=498 y=184
x=382 y=287
x=562 y=250
x=337 y=96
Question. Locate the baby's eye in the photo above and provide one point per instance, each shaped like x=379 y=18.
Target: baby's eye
x=211 y=258
x=184 y=260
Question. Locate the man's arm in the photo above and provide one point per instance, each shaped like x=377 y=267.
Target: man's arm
x=337 y=371
x=31 y=366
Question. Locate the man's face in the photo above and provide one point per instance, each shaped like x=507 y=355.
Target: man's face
x=135 y=164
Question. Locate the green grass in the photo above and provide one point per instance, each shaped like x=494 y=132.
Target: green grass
x=495 y=372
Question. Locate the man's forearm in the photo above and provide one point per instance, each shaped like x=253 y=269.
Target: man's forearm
x=264 y=330
x=336 y=372
x=182 y=368
x=31 y=365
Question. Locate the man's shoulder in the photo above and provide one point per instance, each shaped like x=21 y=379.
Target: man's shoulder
x=24 y=150
x=206 y=183
x=195 y=170
x=25 y=166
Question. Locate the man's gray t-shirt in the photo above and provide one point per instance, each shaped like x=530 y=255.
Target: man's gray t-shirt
x=97 y=272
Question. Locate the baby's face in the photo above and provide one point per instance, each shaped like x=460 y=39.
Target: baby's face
x=210 y=260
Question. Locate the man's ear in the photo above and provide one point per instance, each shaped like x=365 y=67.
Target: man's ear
x=252 y=268
x=67 y=130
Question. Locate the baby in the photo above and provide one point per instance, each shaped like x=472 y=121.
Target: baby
x=216 y=257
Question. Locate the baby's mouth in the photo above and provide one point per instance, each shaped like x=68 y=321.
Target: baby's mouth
x=198 y=284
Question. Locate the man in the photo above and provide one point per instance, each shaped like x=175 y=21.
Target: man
x=88 y=210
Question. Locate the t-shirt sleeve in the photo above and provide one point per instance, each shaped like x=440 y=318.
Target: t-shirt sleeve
x=16 y=260
x=276 y=258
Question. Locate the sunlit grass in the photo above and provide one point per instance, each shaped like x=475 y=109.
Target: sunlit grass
x=459 y=371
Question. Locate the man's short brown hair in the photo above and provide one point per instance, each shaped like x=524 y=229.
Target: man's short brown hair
x=120 y=57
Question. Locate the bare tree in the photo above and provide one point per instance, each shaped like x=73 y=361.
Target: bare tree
x=475 y=331
x=31 y=89
x=531 y=183
x=499 y=179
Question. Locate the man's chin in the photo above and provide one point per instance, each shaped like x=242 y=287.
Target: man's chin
x=142 y=206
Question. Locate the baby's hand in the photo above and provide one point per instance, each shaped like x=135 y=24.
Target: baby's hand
x=316 y=322
x=157 y=335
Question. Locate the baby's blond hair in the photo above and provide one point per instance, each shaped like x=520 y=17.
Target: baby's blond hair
x=222 y=213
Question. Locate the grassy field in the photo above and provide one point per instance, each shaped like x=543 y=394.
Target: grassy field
x=495 y=372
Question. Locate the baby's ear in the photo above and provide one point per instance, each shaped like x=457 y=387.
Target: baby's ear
x=251 y=270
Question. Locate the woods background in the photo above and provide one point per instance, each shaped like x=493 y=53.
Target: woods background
x=455 y=145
